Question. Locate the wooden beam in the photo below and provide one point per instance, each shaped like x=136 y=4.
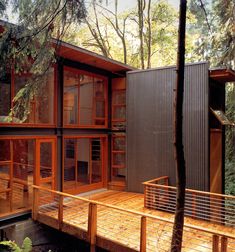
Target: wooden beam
x=224 y=244
x=143 y=236
x=215 y=243
x=92 y=225
x=60 y=211
x=35 y=203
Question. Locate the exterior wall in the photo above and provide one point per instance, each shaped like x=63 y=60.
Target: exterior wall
x=59 y=131
x=150 y=98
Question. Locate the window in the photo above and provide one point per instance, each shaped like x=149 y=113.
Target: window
x=5 y=97
x=83 y=164
x=119 y=104
x=17 y=165
x=32 y=102
x=85 y=97
x=118 y=158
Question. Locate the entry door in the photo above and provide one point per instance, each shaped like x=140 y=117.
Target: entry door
x=45 y=170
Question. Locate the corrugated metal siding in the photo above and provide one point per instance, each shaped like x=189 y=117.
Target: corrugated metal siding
x=150 y=98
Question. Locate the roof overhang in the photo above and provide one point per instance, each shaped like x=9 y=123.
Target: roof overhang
x=222 y=75
x=84 y=56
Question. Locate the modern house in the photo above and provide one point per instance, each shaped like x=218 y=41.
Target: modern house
x=74 y=137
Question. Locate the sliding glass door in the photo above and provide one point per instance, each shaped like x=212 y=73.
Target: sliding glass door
x=84 y=167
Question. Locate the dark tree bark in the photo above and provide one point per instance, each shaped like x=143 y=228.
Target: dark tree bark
x=177 y=234
x=141 y=7
x=149 y=34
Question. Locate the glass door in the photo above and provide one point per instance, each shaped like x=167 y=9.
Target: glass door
x=45 y=163
x=84 y=163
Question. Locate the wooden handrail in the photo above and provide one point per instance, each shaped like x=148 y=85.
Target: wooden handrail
x=202 y=229
x=15 y=180
x=155 y=180
x=191 y=191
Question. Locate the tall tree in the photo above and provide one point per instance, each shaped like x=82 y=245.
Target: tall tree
x=141 y=7
x=177 y=234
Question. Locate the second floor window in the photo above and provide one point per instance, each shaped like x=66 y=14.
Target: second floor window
x=85 y=99
x=23 y=103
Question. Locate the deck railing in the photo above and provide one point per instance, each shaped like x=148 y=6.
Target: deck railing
x=126 y=230
x=216 y=208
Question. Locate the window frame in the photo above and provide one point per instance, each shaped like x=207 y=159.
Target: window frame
x=93 y=75
x=33 y=125
x=104 y=164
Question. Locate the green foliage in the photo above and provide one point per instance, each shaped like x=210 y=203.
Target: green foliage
x=26 y=47
x=214 y=30
x=230 y=141
x=11 y=246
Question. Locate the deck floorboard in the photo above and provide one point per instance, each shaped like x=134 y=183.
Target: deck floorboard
x=115 y=227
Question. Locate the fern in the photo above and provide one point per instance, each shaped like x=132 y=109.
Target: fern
x=27 y=245
x=13 y=247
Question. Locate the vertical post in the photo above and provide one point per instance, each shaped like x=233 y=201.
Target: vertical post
x=145 y=195
x=143 y=234
x=10 y=185
x=92 y=225
x=215 y=243
x=193 y=205
x=35 y=203
x=224 y=244
x=60 y=211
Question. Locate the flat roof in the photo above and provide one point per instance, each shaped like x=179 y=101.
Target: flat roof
x=84 y=56
x=222 y=75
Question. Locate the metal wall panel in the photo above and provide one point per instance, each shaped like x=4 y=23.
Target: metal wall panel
x=150 y=99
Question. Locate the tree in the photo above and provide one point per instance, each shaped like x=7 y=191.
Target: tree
x=120 y=33
x=26 y=47
x=177 y=233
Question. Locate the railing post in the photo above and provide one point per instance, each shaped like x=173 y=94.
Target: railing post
x=60 y=211
x=145 y=192
x=193 y=204
x=92 y=225
x=143 y=237
x=35 y=203
x=215 y=243
x=224 y=244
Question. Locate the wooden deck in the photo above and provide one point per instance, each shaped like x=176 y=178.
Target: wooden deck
x=117 y=221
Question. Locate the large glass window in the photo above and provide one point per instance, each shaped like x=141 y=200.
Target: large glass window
x=118 y=106
x=85 y=98
x=118 y=157
x=5 y=97
x=32 y=105
x=17 y=165
x=83 y=162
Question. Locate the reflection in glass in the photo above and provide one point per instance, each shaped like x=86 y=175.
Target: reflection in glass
x=71 y=89
x=45 y=159
x=5 y=98
x=83 y=162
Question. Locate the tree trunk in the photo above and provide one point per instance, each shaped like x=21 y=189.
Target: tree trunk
x=141 y=7
x=177 y=234
x=149 y=35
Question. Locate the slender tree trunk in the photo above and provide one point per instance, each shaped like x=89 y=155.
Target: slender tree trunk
x=177 y=234
x=141 y=7
x=149 y=35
